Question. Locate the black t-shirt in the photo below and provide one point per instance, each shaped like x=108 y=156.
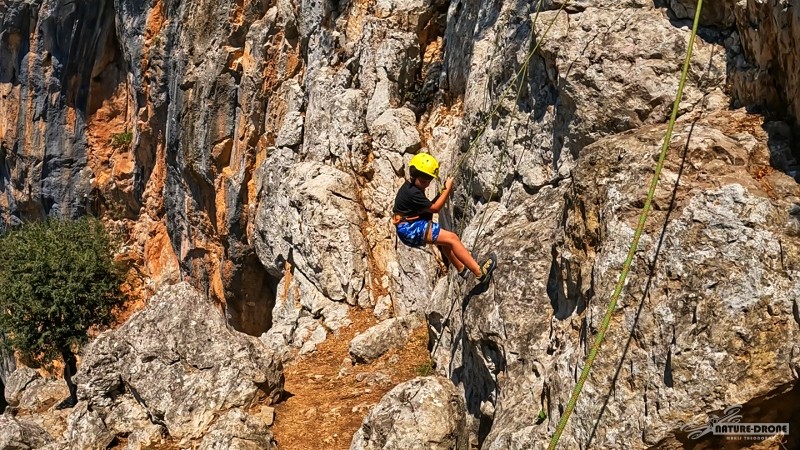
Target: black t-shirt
x=411 y=201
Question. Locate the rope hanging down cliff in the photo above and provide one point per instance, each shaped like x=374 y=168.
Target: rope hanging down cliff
x=511 y=83
x=634 y=244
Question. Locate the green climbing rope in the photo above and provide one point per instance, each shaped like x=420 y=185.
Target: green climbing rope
x=562 y=423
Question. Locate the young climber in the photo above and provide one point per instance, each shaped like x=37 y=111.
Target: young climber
x=413 y=218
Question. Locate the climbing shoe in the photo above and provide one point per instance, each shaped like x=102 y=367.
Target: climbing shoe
x=487 y=268
x=464 y=273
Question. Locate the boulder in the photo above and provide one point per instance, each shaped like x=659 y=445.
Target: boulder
x=43 y=393
x=174 y=364
x=238 y=431
x=310 y=215
x=20 y=435
x=87 y=430
x=16 y=384
x=421 y=414
x=379 y=339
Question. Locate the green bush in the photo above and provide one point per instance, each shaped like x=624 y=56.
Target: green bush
x=121 y=140
x=424 y=369
x=57 y=279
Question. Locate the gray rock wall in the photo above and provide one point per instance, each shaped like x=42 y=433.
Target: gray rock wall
x=49 y=49
x=7 y=364
x=423 y=413
x=267 y=141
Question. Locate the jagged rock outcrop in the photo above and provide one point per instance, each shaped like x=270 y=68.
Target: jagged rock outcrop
x=302 y=317
x=306 y=204
x=379 y=339
x=32 y=399
x=238 y=431
x=20 y=435
x=424 y=413
x=7 y=365
x=763 y=40
x=27 y=391
x=175 y=367
x=18 y=382
x=711 y=293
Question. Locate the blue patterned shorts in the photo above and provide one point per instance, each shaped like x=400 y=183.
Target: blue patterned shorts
x=413 y=233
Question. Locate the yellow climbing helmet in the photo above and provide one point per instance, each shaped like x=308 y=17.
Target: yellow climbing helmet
x=426 y=164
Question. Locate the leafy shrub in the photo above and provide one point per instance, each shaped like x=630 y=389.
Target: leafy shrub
x=121 y=140
x=57 y=278
x=424 y=369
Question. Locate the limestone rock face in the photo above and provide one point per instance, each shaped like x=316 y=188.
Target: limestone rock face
x=7 y=362
x=424 y=413
x=377 y=340
x=767 y=66
x=254 y=148
x=715 y=14
x=20 y=435
x=313 y=203
x=44 y=157
x=302 y=207
x=605 y=70
x=18 y=382
x=764 y=45
x=33 y=398
x=175 y=365
x=712 y=285
x=238 y=431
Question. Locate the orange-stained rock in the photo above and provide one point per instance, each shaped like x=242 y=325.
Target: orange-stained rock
x=160 y=261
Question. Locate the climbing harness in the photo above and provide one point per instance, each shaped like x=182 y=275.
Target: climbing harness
x=397 y=219
x=562 y=423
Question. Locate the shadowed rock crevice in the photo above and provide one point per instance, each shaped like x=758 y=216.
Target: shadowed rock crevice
x=784 y=146
x=252 y=297
x=563 y=305
x=14 y=42
x=3 y=402
x=430 y=33
x=482 y=361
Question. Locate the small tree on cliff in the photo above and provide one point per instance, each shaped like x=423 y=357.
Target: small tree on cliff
x=57 y=278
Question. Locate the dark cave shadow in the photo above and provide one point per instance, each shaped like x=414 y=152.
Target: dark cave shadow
x=478 y=387
x=445 y=321
x=285 y=395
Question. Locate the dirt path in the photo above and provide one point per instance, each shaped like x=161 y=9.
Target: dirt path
x=324 y=409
